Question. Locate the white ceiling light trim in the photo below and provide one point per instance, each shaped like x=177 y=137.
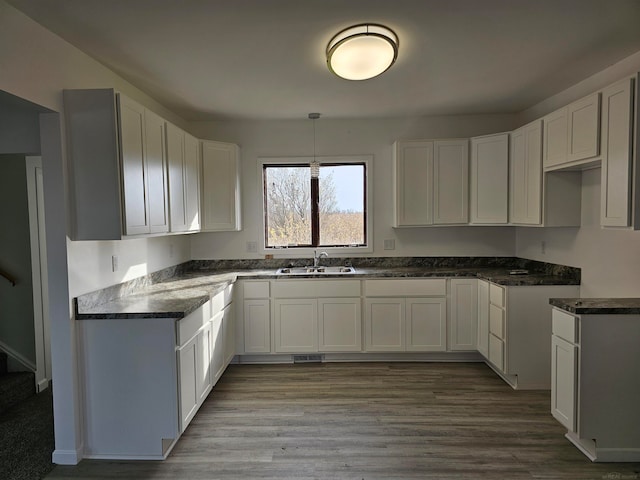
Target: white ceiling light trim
x=362 y=51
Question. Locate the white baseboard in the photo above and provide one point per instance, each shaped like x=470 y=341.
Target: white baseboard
x=368 y=357
x=66 y=457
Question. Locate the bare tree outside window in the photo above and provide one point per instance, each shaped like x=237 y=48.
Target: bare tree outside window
x=288 y=205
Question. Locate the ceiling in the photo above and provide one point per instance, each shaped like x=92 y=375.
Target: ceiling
x=265 y=59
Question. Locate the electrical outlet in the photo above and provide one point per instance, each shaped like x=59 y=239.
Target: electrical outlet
x=543 y=247
x=390 y=244
x=114 y=263
x=252 y=247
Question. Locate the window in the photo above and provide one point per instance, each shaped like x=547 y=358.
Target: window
x=328 y=211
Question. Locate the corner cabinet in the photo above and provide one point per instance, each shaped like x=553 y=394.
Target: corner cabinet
x=516 y=323
x=117 y=155
x=220 y=187
x=431 y=182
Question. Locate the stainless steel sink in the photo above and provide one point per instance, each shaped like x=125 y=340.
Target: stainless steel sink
x=340 y=270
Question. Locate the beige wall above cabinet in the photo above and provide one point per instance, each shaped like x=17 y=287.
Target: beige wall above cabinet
x=118 y=166
x=572 y=134
x=489 y=180
x=220 y=187
x=431 y=182
x=183 y=152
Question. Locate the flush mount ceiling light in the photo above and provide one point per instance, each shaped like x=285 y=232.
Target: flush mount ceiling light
x=362 y=51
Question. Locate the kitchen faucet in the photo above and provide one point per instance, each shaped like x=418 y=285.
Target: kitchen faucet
x=316 y=258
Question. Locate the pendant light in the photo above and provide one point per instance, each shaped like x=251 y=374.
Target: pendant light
x=314 y=165
x=362 y=51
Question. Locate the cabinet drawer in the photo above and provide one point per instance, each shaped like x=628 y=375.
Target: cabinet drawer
x=432 y=287
x=256 y=289
x=496 y=295
x=565 y=326
x=306 y=288
x=188 y=326
x=496 y=321
x=496 y=352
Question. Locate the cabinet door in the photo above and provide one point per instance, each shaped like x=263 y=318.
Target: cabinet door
x=584 y=128
x=134 y=180
x=564 y=381
x=176 y=167
x=490 y=179
x=217 y=354
x=450 y=182
x=204 y=351
x=464 y=314
x=192 y=182
x=257 y=326
x=220 y=187
x=413 y=183
x=384 y=324
x=229 y=329
x=556 y=131
x=188 y=381
x=339 y=325
x=483 y=317
x=296 y=325
x=496 y=352
x=525 y=194
x=156 y=167
x=617 y=111
x=426 y=320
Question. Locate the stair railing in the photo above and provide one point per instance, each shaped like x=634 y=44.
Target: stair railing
x=8 y=277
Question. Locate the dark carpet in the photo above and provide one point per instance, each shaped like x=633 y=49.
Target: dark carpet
x=26 y=439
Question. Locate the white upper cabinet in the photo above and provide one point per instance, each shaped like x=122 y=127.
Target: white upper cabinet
x=556 y=133
x=584 y=128
x=184 y=180
x=431 y=182
x=489 y=180
x=413 y=162
x=117 y=157
x=572 y=133
x=525 y=186
x=156 y=172
x=617 y=144
x=220 y=187
x=450 y=181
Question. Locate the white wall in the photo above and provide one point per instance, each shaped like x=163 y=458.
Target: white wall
x=351 y=137
x=608 y=257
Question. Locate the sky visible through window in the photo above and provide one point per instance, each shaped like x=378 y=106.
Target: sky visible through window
x=349 y=186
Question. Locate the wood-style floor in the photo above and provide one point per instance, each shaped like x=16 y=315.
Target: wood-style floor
x=378 y=421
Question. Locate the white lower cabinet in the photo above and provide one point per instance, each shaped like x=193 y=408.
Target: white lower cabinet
x=384 y=320
x=595 y=390
x=143 y=379
x=518 y=329
x=257 y=326
x=483 y=318
x=463 y=319
x=295 y=325
x=339 y=325
x=405 y=315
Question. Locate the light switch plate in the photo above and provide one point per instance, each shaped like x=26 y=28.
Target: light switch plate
x=252 y=247
x=390 y=244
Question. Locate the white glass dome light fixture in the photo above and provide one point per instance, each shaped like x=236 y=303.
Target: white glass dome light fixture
x=362 y=51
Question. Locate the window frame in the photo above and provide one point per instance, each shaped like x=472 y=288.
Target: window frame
x=304 y=250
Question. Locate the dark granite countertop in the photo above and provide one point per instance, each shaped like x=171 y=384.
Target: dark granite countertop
x=178 y=295
x=598 y=306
